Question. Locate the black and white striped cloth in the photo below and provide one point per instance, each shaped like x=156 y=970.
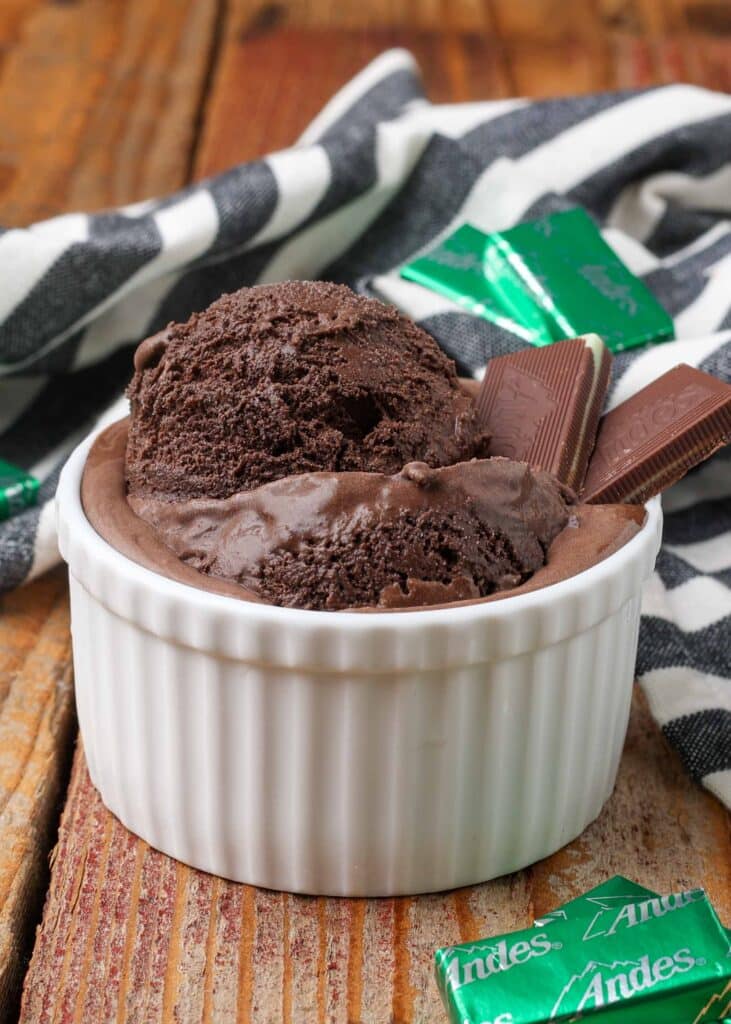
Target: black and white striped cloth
x=380 y=174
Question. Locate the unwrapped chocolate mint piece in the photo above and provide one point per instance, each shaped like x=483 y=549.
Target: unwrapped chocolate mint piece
x=542 y=405
x=650 y=441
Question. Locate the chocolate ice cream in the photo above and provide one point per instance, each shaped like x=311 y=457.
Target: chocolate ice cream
x=304 y=446
x=344 y=540
x=592 y=533
x=291 y=378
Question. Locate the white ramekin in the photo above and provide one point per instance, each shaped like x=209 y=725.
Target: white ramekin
x=343 y=753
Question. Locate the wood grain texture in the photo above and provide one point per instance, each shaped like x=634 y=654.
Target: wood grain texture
x=99 y=105
x=99 y=101
x=131 y=935
x=271 y=79
x=36 y=734
x=263 y=66
x=138 y=97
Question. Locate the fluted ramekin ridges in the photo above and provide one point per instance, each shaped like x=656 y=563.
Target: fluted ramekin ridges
x=344 y=753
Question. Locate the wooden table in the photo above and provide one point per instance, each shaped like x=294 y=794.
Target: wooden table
x=105 y=102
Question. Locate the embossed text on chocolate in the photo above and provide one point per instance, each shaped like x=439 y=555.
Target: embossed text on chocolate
x=521 y=405
x=648 y=422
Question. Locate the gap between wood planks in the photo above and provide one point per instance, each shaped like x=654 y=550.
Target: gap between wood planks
x=37 y=724
x=87 y=145
x=221 y=17
x=261 y=77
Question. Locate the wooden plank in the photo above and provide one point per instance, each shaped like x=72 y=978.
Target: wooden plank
x=675 y=40
x=264 y=73
x=554 y=48
x=98 y=102
x=271 y=78
x=466 y=51
x=36 y=733
x=467 y=15
x=98 y=105
x=129 y=934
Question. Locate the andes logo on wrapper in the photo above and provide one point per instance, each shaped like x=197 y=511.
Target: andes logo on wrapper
x=458 y=259
x=608 y=922
x=497 y=959
x=619 y=292
x=602 y=984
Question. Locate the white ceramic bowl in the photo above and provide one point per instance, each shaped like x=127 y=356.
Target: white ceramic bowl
x=344 y=753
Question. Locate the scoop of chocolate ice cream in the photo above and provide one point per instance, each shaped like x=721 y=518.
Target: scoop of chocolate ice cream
x=291 y=378
x=347 y=540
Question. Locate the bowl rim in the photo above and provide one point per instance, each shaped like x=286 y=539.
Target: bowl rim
x=75 y=531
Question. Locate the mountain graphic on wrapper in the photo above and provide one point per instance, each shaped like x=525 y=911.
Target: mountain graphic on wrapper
x=721 y=1012
x=608 y=987
x=590 y=968
x=603 y=902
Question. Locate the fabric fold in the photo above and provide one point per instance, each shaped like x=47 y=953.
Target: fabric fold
x=378 y=176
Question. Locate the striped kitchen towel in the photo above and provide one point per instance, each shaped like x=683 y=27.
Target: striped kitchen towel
x=379 y=175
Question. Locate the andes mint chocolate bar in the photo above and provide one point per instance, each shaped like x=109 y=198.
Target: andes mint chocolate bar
x=612 y=955
x=650 y=441
x=542 y=405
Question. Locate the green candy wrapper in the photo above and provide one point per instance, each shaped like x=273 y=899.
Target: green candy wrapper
x=545 y=280
x=618 y=953
x=456 y=268
x=18 y=490
x=617 y=892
